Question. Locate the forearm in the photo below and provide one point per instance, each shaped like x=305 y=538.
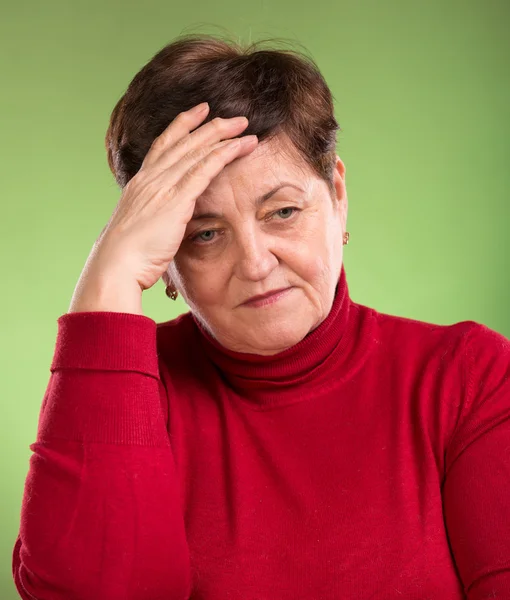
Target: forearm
x=101 y=516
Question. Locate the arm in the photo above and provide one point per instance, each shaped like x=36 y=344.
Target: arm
x=101 y=517
x=476 y=493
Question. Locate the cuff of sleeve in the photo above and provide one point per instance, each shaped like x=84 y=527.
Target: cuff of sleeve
x=112 y=341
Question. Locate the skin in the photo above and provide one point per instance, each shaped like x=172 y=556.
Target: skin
x=295 y=238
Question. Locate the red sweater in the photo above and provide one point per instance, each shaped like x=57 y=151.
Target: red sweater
x=369 y=461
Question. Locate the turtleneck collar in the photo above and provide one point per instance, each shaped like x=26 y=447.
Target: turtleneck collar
x=322 y=357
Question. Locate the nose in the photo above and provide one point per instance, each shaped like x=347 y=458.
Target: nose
x=255 y=259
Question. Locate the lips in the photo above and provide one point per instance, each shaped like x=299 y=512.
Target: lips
x=266 y=295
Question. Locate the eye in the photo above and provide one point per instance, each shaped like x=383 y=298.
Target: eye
x=204 y=236
x=208 y=235
x=286 y=212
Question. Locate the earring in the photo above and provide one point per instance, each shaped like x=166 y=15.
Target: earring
x=346 y=238
x=171 y=292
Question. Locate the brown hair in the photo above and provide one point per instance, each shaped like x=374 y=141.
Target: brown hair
x=281 y=92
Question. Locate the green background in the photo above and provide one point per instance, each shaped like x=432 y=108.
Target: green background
x=422 y=93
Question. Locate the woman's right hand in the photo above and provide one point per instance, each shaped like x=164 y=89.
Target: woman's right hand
x=150 y=219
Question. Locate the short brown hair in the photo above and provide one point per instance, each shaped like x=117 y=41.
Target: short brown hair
x=279 y=91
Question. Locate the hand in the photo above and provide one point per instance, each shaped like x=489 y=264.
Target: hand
x=149 y=222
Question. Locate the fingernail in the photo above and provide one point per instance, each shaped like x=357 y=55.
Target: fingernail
x=200 y=108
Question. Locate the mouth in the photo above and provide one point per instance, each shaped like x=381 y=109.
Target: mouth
x=267 y=299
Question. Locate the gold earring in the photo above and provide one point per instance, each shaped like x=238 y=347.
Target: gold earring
x=346 y=238
x=171 y=292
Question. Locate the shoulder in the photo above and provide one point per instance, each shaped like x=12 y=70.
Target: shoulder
x=180 y=351
x=177 y=336
x=462 y=368
x=483 y=345
x=486 y=355
x=484 y=411
x=468 y=348
x=469 y=338
x=172 y=327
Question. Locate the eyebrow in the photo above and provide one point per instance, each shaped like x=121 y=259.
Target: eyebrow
x=258 y=201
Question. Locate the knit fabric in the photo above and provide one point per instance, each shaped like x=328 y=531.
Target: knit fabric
x=369 y=461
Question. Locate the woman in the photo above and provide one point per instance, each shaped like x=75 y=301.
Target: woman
x=279 y=441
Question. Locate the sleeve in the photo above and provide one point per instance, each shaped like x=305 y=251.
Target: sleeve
x=101 y=517
x=476 y=491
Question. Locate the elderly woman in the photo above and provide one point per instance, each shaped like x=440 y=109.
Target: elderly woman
x=279 y=441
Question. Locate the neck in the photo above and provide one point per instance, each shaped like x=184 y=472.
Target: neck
x=327 y=350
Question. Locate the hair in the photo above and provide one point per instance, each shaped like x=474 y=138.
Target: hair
x=280 y=91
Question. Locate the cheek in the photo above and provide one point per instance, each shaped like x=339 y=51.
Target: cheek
x=310 y=255
x=202 y=284
x=308 y=263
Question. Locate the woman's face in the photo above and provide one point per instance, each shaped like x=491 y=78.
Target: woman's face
x=237 y=246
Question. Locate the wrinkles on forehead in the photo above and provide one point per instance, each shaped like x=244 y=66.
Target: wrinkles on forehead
x=255 y=175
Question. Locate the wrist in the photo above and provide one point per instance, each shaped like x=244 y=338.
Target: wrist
x=107 y=293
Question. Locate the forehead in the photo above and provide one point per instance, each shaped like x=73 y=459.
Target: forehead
x=271 y=162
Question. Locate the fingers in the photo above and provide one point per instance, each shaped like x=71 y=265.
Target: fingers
x=176 y=140
x=176 y=130
x=199 y=174
x=199 y=143
x=194 y=161
x=182 y=165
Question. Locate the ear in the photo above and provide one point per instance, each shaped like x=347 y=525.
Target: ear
x=341 y=190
